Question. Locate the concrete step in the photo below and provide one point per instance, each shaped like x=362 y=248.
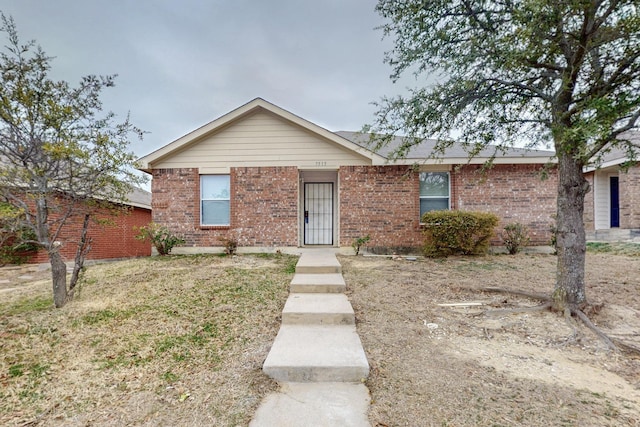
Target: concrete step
x=613 y=235
x=318 y=263
x=317 y=309
x=302 y=353
x=314 y=405
x=317 y=283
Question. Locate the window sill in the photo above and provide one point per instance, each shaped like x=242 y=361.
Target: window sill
x=215 y=227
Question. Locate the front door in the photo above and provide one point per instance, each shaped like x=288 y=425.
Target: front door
x=614 y=194
x=318 y=213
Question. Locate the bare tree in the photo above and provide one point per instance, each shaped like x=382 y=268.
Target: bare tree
x=61 y=161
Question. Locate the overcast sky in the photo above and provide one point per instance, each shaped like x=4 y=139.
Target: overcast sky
x=183 y=63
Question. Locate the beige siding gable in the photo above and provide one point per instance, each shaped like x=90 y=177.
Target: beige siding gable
x=262 y=139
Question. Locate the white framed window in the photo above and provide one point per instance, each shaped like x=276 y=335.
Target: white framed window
x=434 y=192
x=215 y=204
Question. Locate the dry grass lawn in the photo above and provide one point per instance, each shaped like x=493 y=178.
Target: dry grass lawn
x=156 y=341
x=434 y=365
x=181 y=340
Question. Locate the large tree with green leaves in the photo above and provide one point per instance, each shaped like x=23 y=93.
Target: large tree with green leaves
x=61 y=158
x=565 y=73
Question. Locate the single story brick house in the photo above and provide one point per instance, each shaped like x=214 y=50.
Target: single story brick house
x=275 y=181
x=113 y=238
x=612 y=208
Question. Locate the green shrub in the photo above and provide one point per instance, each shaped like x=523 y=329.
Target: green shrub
x=230 y=244
x=553 y=229
x=160 y=237
x=359 y=243
x=515 y=237
x=17 y=242
x=457 y=232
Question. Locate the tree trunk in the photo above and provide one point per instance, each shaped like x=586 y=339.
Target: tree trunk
x=571 y=241
x=59 y=278
x=84 y=246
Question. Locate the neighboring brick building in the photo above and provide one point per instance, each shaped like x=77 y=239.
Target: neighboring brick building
x=112 y=238
x=273 y=180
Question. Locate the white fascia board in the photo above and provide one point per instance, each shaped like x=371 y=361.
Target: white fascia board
x=604 y=165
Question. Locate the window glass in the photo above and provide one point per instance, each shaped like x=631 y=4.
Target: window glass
x=434 y=191
x=215 y=203
x=434 y=184
x=439 y=204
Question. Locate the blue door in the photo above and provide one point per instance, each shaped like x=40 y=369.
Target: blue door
x=614 y=195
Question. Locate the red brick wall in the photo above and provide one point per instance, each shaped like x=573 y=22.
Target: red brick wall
x=109 y=241
x=513 y=192
x=382 y=201
x=264 y=206
x=629 y=183
x=175 y=201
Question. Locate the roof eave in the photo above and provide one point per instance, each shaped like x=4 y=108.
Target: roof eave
x=607 y=164
x=475 y=160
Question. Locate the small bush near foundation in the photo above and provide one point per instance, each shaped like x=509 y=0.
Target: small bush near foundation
x=160 y=236
x=457 y=232
x=515 y=236
x=553 y=229
x=230 y=245
x=359 y=243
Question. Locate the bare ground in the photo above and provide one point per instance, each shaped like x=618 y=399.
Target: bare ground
x=474 y=365
x=181 y=341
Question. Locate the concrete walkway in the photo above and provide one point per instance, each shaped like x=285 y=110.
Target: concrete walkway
x=317 y=356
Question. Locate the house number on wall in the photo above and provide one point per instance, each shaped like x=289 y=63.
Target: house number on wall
x=321 y=163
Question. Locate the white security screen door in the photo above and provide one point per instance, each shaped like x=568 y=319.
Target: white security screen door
x=318 y=213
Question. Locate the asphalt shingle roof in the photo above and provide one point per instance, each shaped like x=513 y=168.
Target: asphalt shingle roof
x=425 y=148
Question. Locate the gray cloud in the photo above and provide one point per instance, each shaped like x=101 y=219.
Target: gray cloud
x=181 y=64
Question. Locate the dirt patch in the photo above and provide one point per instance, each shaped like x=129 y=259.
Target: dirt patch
x=454 y=365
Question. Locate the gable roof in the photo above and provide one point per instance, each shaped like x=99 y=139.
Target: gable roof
x=250 y=108
x=618 y=155
x=355 y=142
x=139 y=198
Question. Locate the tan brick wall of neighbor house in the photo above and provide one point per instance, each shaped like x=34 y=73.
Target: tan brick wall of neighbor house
x=589 y=204
x=382 y=201
x=515 y=193
x=264 y=206
x=629 y=184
